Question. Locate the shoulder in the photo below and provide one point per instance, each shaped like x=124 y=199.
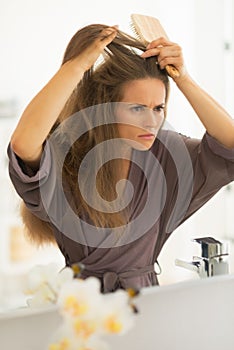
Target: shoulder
x=175 y=142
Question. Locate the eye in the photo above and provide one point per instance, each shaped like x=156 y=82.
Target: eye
x=137 y=108
x=159 y=108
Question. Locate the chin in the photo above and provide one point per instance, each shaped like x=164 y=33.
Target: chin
x=140 y=146
x=144 y=148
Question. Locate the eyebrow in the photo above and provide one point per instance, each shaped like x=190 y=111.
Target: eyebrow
x=140 y=104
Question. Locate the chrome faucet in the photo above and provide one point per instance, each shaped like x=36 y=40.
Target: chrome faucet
x=213 y=260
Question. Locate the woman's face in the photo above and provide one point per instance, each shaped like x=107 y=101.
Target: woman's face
x=140 y=113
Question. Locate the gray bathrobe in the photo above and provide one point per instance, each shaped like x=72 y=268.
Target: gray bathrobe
x=167 y=184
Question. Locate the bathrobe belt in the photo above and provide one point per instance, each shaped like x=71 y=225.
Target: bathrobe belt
x=113 y=280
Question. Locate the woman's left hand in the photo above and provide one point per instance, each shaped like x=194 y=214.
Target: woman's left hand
x=168 y=53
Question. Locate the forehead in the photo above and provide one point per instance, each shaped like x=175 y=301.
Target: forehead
x=144 y=91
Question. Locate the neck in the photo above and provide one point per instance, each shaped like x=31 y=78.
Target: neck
x=123 y=166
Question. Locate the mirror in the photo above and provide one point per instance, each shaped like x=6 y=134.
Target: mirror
x=33 y=38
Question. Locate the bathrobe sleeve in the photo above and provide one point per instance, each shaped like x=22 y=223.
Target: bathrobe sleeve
x=37 y=189
x=195 y=170
x=213 y=167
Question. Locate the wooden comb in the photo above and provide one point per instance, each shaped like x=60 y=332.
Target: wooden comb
x=147 y=29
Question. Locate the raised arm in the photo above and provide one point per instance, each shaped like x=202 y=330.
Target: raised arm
x=215 y=119
x=44 y=109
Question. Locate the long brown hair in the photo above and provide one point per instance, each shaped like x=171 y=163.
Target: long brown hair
x=101 y=84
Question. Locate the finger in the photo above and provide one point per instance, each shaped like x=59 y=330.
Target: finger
x=159 y=42
x=162 y=52
x=151 y=52
x=105 y=38
x=169 y=52
x=108 y=34
x=176 y=62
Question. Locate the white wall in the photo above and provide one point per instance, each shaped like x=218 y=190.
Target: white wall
x=33 y=37
x=212 y=66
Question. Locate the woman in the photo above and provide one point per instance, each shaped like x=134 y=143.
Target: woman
x=117 y=107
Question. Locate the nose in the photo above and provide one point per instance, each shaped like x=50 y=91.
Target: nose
x=150 y=120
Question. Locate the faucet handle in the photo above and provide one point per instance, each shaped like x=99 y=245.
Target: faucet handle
x=211 y=247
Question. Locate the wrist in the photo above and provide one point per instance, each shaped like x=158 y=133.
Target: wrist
x=76 y=68
x=183 y=80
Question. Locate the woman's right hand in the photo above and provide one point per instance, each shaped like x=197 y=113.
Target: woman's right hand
x=89 y=56
x=43 y=110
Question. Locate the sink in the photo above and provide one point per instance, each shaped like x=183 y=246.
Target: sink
x=26 y=329
x=195 y=314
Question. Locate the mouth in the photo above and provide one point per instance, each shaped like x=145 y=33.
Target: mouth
x=147 y=136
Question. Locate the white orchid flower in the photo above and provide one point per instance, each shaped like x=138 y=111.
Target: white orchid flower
x=117 y=316
x=88 y=315
x=44 y=283
x=81 y=298
x=66 y=339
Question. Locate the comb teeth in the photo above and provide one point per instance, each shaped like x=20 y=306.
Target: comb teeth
x=137 y=31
